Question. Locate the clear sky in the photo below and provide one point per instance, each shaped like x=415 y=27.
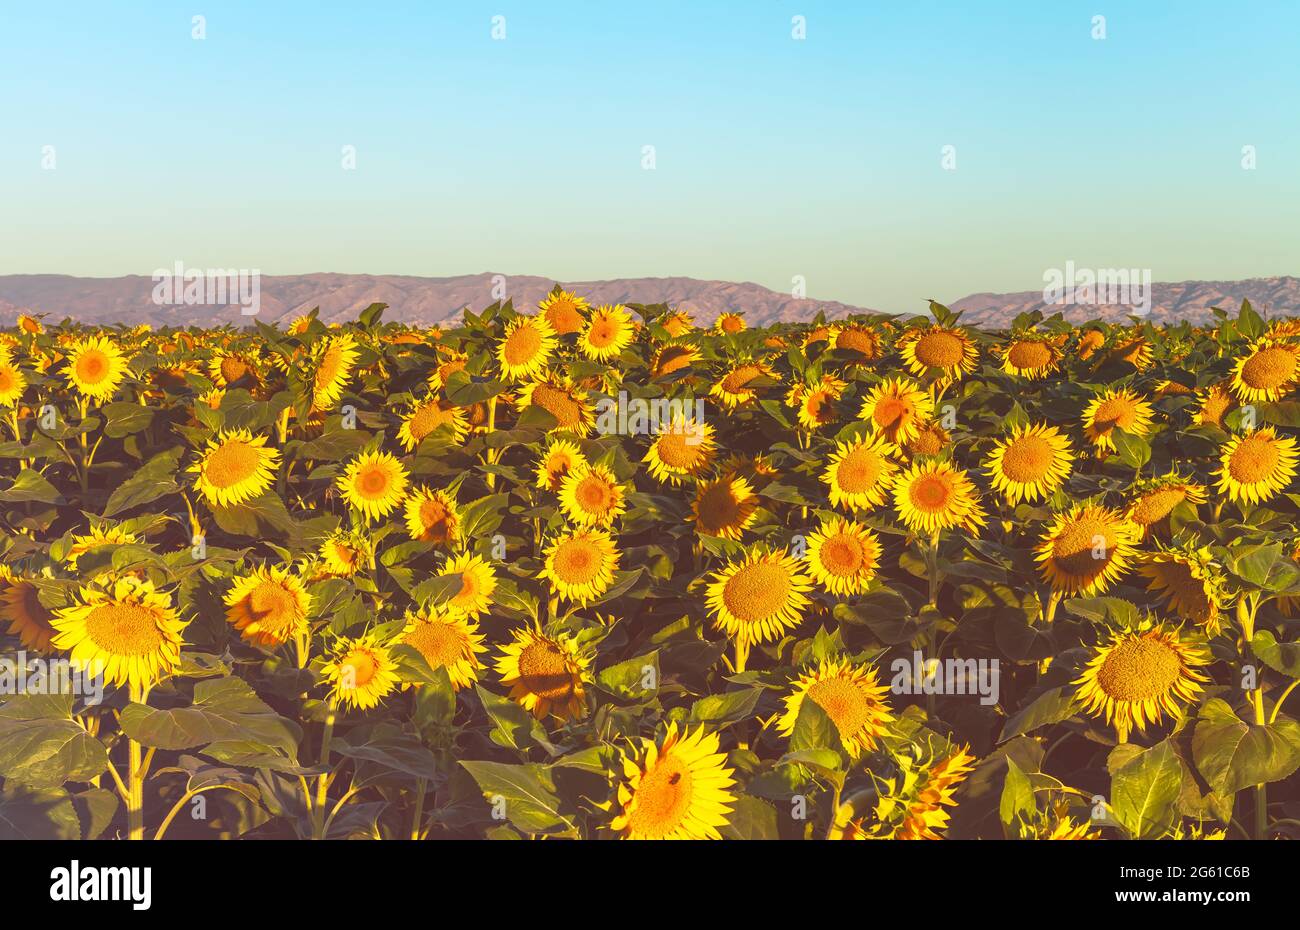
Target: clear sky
x=774 y=157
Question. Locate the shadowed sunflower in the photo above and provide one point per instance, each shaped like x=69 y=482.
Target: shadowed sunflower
x=938 y=351
x=1136 y=352
x=1086 y=550
x=896 y=409
x=96 y=367
x=1030 y=356
x=268 y=606
x=97 y=538
x=1030 y=464
x=126 y=631
x=20 y=604
x=932 y=496
x=1216 y=402
x=1090 y=341
x=1270 y=371
x=345 y=554
x=757 y=599
x=1139 y=676
x=678 y=789
x=235 y=467
x=1188 y=578
x=723 y=507
x=562 y=399
x=446 y=640
x=678 y=323
x=373 y=483
x=730 y=323
x=560 y=458
x=581 y=564
x=431 y=517
x=850 y=695
x=546 y=675
x=861 y=473
x=912 y=804
x=1257 y=466
x=232 y=370
x=683 y=449
x=526 y=348
x=608 y=332
x=738 y=385
x=429 y=415
x=1156 y=499
x=862 y=340
x=590 y=495
x=843 y=556
x=815 y=403
x=450 y=362
x=12 y=382
x=671 y=358
x=564 y=310
x=333 y=370
x=1113 y=410
x=477 y=582
x=361 y=672
x=930 y=439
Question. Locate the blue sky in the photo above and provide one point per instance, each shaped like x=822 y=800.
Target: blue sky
x=773 y=157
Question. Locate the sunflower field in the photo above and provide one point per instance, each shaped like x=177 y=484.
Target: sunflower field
x=603 y=572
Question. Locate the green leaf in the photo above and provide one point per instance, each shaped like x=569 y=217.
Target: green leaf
x=1281 y=657
x=525 y=795
x=1052 y=706
x=627 y=679
x=45 y=814
x=1144 y=791
x=41 y=746
x=223 y=709
x=514 y=727
x=1232 y=754
x=1134 y=451
x=720 y=710
x=154 y=480
x=1017 y=795
x=1254 y=564
x=31 y=487
x=125 y=419
x=751 y=819
x=396 y=752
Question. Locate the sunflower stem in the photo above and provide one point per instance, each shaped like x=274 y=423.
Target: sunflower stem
x=742 y=655
x=323 y=784
x=134 y=780
x=419 y=809
x=932 y=569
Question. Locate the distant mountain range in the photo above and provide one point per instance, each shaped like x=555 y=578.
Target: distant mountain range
x=430 y=301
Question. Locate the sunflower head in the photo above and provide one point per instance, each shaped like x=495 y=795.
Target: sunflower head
x=268 y=606
x=477 y=582
x=1188 y=578
x=671 y=358
x=334 y=360
x=860 y=473
x=526 y=348
x=12 y=382
x=580 y=564
x=850 y=695
x=360 y=673
x=1270 y=370
x=730 y=323
x=20 y=604
x=1031 y=356
x=235 y=467
x=446 y=640
x=590 y=495
x=560 y=457
x=561 y=398
x=684 y=448
x=932 y=496
x=564 y=311
x=428 y=415
x=344 y=554
x=756 y=599
x=678 y=323
x=431 y=517
x=741 y=383
x=843 y=556
x=938 y=352
x=547 y=675
x=678 y=788
x=1031 y=463
x=374 y=483
x=1087 y=549
x=896 y=409
x=1155 y=499
x=1258 y=466
x=1115 y=409
x=96 y=367
x=608 y=332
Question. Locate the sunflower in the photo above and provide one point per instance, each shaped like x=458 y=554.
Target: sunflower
x=1139 y=676
x=678 y=789
x=608 y=332
x=590 y=495
x=1216 y=403
x=1087 y=549
x=683 y=449
x=268 y=606
x=127 y=631
x=563 y=310
x=546 y=675
x=932 y=496
x=862 y=340
x=896 y=409
x=450 y=362
x=560 y=458
x=724 y=507
x=428 y=415
x=672 y=358
x=235 y=467
x=931 y=439
x=1031 y=463
x=1031 y=356
x=232 y=370
x=96 y=367
x=737 y=386
x=730 y=323
x=526 y=348
x=562 y=399
x=446 y=640
x=477 y=582
x=345 y=554
x=333 y=369
x=1113 y=410
x=431 y=517
x=1268 y=372
x=361 y=672
x=678 y=323
x=580 y=565
x=938 y=351
x=12 y=382
x=850 y=695
x=1156 y=499
x=843 y=556
x=29 y=324
x=860 y=473
x=98 y=537
x=20 y=604
x=1136 y=352
x=1257 y=466
x=1089 y=342
x=924 y=813
x=816 y=403
x=1191 y=582
x=756 y=599
x=374 y=483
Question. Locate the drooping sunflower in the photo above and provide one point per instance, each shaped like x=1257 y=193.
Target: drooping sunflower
x=843 y=556
x=580 y=565
x=737 y=386
x=756 y=599
x=850 y=695
x=932 y=496
x=724 y=507
x=96 y=367
x=373 y=483
x=938 y=351
x=896 y=409
x=564 y=311
x=677 y=789
x=127 y=631
x=560 y=458
x=334 y=364
x=1269 y=371
x=235 y=467
x=1216 y=402
x=1191 y=582
x=428 y=415
x=1135 y=351
x=20 y=604
x=591 y=495
x=361 y=672
x=269 y=606
x=860 y=473
x=431 y=517
x=1090 y=340
x=608 y=332
x=671 y=358
x=345 y=554
x=1087 y=549
x=1031 y=356
x=12 y=382
x=477 y=582
x=1031 y=463
x=1121 y=409
x=1139 y=676
x=446 y=640
x=562 y=399
x=546 y=675
x=525 y=349
x=1258 y=466
x=1155 y=500
x=684 y=448
x=934 y=789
